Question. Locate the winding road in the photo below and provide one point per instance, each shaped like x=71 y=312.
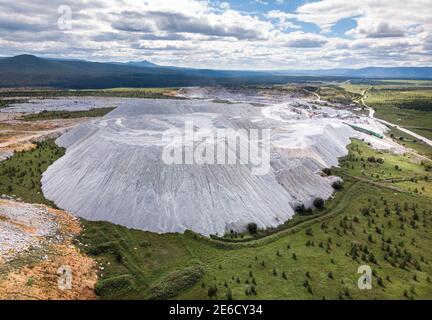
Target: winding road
x=411 y=133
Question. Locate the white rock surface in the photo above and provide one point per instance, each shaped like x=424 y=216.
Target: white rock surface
x=23 y=226
x=112 y=169
x=67 y=104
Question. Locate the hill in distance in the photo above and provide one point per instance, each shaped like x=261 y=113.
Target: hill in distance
x=31 y=71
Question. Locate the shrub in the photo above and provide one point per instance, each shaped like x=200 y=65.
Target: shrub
x=318 y=203
x=371 y=159
x=337 y=185
x=300 y=209
x=229 y=294
x=178 y=281
x=327 y=171
x=365 y=211
x=253 y=290
x=103 y=248
x=212 y=291
x=113 y=285
x=252 y=228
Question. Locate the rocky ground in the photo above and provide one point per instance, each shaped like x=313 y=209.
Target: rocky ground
x=35 y=240
x=35 y=246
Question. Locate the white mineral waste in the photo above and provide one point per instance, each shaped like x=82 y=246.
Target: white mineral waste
x=23 y=226
x=113 y=168
x=68 y=104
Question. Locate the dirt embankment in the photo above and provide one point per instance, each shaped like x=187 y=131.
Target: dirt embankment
x=37 y=257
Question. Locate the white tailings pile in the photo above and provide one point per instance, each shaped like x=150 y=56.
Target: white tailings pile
x=113 y=171
x=69 y=104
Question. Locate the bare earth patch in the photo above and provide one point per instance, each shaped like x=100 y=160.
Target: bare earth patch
x=17 y=135
x=35 y=242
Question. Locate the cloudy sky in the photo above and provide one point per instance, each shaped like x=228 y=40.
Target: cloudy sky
x=238 y=34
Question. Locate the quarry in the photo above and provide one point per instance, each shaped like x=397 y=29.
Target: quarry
x=113 y=168
x=102 y=185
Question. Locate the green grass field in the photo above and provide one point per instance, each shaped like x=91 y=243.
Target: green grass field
x=374 y=221
x=406 y=103
x=407 y=107
x=410 y=142
x=425 y=132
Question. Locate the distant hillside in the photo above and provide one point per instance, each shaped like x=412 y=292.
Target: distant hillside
x=27 y=70
x=31 y=71
x=370 y=72
x=142 y=64
x=397 y=72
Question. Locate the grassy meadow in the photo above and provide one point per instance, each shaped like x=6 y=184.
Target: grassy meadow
x=404 y=102
x=20 y=175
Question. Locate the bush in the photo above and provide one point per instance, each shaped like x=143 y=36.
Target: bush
x=252 y=228
x=365 y=211
x=300 y=209
x=110 y=247
x=176 y=282
x=318 y=203
x=229 y=295
x=371 y=159
x=212 y=291
x=337 y=185
x=327 y=171
x=112 y=286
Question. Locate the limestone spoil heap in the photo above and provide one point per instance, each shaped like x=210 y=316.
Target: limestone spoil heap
x=113 y=170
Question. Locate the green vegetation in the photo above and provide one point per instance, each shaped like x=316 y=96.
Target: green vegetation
x=5 y=103
x=425 y=132
x=20 y=175
x=381 y=166
x=406 y=107
x=410 y=142
x=304 y=216
x=176 y=282
x=377 y=218
x=354 y=88
x=139 y=264
x=407 y=103
x=151 y=93
x=336 y=94
x=50 y=115
x=370 y=223
x=296 y=265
